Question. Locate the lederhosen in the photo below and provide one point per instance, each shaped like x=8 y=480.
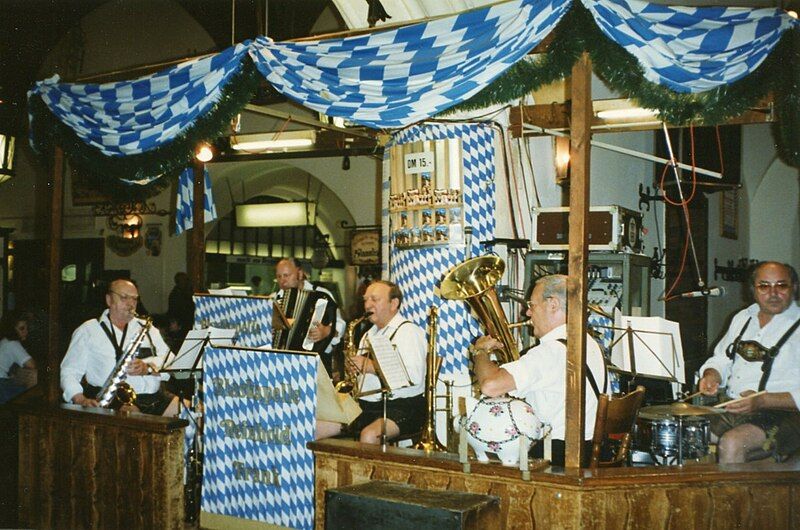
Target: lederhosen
x=155 y=403
x=407 y=413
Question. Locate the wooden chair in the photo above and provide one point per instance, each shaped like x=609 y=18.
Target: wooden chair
x=615 y=420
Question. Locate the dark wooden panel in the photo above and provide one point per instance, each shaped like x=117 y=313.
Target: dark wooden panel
x=382 y=504
x=99 y=470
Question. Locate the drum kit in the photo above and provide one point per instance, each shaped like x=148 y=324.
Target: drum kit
x=675 y=432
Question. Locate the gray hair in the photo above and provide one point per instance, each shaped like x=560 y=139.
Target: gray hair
x=554 y=286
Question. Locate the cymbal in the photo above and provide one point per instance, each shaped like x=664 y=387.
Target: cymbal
x=678 y=409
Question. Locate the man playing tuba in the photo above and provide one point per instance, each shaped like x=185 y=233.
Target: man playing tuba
x=539 y=376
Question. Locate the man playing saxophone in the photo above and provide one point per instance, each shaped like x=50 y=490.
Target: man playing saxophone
x=405 y=411
x=97 y=344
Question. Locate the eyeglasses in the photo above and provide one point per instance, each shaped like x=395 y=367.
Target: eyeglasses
x=531 y=303
x=126 y=297
x=779 y=286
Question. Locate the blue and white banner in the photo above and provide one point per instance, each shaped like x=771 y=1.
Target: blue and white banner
x=251 y=317
x=260 y=408
x=184 y=207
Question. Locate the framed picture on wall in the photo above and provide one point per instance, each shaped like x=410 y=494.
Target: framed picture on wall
x=729 y=214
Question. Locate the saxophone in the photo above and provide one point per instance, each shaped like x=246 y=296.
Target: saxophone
x=116 y=392
x=349 y=385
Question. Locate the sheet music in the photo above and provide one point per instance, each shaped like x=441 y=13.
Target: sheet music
x=319 y=311
x=192 y=344
x=657 y=348
x=390 y=363
x=228 y=291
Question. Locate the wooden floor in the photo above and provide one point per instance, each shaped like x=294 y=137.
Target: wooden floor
x=757 y=495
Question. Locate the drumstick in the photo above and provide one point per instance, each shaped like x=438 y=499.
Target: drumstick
x=739 y=399
x=690 y=396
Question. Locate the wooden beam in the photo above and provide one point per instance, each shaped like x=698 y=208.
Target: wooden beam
x=556 y=116
x=196 y=242
x=51 y=383
x=580 y=151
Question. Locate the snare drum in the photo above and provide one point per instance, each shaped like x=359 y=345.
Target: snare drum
x=659 y=436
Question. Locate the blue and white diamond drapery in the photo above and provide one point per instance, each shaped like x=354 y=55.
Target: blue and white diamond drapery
x=398 y=77
x=691 y=49
x=185 y=199
x=132 y=117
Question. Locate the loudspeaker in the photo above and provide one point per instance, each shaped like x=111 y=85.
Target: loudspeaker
x=384 y=505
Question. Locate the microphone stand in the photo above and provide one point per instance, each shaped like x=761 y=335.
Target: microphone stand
x=384 y=398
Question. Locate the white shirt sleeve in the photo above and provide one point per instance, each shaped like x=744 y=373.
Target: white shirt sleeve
x=73 y=367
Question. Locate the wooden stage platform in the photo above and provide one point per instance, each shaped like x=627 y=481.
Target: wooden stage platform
x=757 y=495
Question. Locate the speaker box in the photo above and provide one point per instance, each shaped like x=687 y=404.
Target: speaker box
x=610 y=228
x=384 y=505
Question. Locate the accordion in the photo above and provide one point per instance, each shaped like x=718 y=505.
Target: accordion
x=299 y=305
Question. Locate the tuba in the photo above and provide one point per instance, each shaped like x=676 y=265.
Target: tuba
x=473 y=281
x=116 y=392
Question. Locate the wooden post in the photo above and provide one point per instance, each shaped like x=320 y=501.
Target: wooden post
x=580 y=155
x=196 y=242
x=50 y=373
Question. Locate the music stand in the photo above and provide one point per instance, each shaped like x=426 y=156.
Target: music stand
x=391 y=372
x=188 y=362
x=648 y=346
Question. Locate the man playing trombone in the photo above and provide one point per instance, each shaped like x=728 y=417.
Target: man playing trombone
x=98 y=344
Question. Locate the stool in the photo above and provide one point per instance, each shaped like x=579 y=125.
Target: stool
x=390 y=505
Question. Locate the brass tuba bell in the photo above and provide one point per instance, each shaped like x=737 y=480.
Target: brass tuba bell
x=473 y=281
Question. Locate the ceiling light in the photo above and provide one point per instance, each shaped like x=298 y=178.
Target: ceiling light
x=628 y=113
x=273 y=141
x=276 y=214
x=204 y=153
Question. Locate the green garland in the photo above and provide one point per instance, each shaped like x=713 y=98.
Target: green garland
x=576 y=33
x=104 y=173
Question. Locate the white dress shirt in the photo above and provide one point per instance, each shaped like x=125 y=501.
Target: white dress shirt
x=739 y=374
x=410 y=342
x=540 y=377
x=92 y=354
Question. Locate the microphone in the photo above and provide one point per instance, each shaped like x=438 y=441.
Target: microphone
x=711 y=291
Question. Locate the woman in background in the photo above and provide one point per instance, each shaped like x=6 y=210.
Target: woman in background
x=14 y=331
